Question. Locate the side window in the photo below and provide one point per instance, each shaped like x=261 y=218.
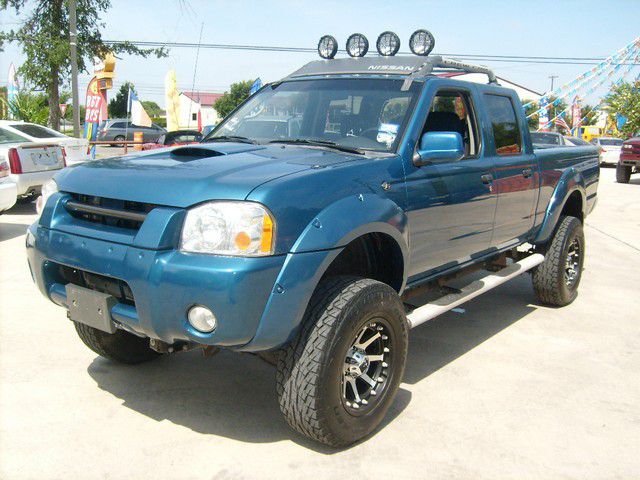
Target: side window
x=452 y=111
x=504 y=123
x=119 y=125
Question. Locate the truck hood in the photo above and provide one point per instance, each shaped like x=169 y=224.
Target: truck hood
x=187 y=175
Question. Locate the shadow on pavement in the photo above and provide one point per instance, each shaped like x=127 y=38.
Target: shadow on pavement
x=22 y=208
x=233 y=395
x=12 y=230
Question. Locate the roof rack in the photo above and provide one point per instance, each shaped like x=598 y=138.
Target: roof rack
x=415 y=67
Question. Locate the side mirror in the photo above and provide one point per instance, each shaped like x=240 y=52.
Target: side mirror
x=439 y=147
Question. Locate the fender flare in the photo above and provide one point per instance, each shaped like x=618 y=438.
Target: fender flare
x=571 y=181
x=319 y=244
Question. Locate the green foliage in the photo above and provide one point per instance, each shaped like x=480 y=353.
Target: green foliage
x=29 y=107
x=237 y=94
x=44 y=37
x=3 y=102
x=624 y=99
x=118 y=105
x=161 y=121
x=152 y=108
x=589 y=115
x=528 y=110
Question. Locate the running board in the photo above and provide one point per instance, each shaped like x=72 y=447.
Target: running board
x=474 y=289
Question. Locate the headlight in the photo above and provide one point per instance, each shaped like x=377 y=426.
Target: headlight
x=49 y=188
x=228 y=228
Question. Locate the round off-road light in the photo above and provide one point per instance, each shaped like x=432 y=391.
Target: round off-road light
x=421 y=42
x=327 y=47
x=388 y=44
x=357 y=45
x=202 y=319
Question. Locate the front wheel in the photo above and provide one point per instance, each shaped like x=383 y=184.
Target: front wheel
x=556 y=280
x=338 y=378
x=623 y=173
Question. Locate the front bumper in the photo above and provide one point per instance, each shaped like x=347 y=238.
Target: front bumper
x=630 y=159
x=164 y=284
x=31 y=182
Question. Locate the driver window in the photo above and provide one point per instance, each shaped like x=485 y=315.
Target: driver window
x=451 y=112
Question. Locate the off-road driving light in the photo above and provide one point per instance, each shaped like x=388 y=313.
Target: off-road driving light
x=421 y=42
x=327 y=47
x=202 y=319
x=49 y=188
x=388 y=44
x=243 y=229
x=357 y=45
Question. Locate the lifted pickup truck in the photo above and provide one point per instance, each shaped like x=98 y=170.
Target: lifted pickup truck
x=629 y=161
x=299 y=238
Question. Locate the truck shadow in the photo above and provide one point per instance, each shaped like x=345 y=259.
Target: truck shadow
x=233 y=395
x=12 y=230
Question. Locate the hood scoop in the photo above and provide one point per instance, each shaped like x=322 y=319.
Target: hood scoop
x=190 y=153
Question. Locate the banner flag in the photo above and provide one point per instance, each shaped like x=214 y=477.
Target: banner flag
x=172 y=101
x=139 y=115
x=257 y=85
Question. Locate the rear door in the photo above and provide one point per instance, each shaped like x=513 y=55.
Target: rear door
x=516 y=173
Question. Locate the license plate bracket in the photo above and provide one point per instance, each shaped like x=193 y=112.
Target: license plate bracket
x=90 y=307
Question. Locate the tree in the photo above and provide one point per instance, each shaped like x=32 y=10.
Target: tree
x=237 y=94
x=44 y=37
x=589 y=114
x=152 y=108
x=624 y=99
x=529 y=110
x=29 y=107
x=118 y=104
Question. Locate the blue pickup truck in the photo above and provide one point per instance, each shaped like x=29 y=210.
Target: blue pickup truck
x=301 y=226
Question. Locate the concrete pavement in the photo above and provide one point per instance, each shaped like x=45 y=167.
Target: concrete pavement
x=508 y=389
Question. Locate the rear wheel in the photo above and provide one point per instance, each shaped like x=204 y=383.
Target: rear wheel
x=338 y=378
x=556 y=280
x=623 y=173
x=121 y=346
x=117 y=138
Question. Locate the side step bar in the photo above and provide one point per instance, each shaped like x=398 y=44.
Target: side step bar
x=444 y=304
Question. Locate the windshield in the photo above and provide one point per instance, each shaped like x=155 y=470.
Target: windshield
x=36 y=131
x=366 y=114
x=545 y=138
x=611 y=142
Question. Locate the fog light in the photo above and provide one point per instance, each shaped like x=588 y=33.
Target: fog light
x=202 y=319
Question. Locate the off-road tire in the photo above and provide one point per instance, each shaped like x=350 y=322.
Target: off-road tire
x=270 y=357
x=549 y=281
x=623 y=173
x=310 y=368
x=121 y=346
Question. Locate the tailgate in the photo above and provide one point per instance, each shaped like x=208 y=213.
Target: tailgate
x=40 y=158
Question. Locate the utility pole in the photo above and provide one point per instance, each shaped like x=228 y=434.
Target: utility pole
x=73 y=42
x=552 y=77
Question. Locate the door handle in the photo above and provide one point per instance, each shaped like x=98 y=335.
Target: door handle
x=487 y=178
x=527 y=172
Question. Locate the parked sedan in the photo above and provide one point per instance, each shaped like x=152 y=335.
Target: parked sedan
x=75 y=149
x=173 y=139
x=119 y=129
x=610 y=148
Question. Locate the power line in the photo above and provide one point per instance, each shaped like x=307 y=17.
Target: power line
x=271 y=48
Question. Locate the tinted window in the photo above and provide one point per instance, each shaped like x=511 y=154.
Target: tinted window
x=543 y=138
x=36 y=131
x=611 y=142
x=9 y=137
x=118 y=125
x=504 y=123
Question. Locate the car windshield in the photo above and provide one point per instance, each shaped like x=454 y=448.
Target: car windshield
x=611 y=142
x=36 y=131
x=363 y=114
x=542 y=138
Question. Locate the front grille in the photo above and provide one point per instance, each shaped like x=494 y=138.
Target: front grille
x=100 y=283
x=108 y=211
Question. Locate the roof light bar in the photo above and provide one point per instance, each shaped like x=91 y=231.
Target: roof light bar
x=357 y=45
x=388 y=44
x=327 y=47
x=421 y=42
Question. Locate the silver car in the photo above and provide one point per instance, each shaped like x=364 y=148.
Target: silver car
x=117 y=129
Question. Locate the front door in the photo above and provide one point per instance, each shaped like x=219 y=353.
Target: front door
x=450 y=205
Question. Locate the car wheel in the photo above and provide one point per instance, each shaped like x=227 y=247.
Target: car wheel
x=121 y=346
x=118 y=138
x=556 y=280
x=337 y=379
x=623 y=173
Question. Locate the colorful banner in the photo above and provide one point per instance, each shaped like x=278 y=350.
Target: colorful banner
x=139 y=115
x=96 y=111
x=12 y=86
x=172 y=101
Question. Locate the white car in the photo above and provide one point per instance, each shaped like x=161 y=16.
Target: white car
x=610 y=148
x=76 y=149
x=8 y=189
x=30 y=164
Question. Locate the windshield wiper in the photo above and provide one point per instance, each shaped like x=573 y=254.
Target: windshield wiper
x=319 y=143
x=229 y=138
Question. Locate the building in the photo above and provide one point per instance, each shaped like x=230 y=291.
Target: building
x=196 y=109
x=523 y=92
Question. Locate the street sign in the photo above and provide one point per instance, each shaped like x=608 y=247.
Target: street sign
x=63 y=109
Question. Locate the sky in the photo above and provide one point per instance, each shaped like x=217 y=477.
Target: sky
x=566 y=28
